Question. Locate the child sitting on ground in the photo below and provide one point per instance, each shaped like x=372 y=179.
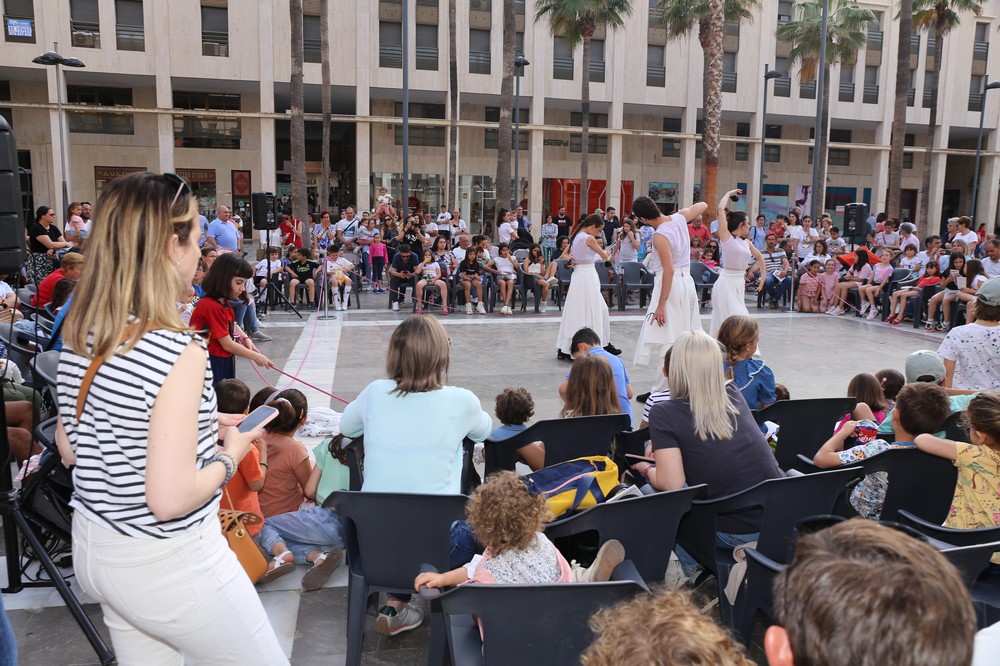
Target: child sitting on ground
x=240 y=494
x=921 y=408
x=828 y=280
x=892 y=380
x=507 y=521
x=810 y=288
x=977 y=492
x=513 y=408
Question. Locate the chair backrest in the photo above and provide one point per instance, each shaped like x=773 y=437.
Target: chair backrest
x=389 y=535
x=971 y=561
x=633 y=441
x=563 y=271
x=919 y=482
x=783 y=502
x=646 y=526
x=805 y=425
x=520 y=255
x=697 y=272
x=536 y=624
x=47 y=366
x=565 y=439
x=955 y=537
x=898 y=274
x=608 y=276
x=955 y=428
x=635 y=274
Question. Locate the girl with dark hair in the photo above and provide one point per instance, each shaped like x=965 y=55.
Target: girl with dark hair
x=952 y=282
x=729 y=289
x=584 y=307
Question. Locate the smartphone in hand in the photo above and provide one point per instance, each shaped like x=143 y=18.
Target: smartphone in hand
x=258 y=418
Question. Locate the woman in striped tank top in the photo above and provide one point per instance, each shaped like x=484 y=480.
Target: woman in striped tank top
x=138 y=419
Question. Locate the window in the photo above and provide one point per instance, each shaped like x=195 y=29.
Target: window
x=846 y=83
x=929 y=93
x=390 y=44
x=772 y=153
x=596 y=144
x=975 y=93
x=597 y=61
x=479 y=51
x=907 y=160
x=840 y=136
x=596 y=119
x=492 y=115
x=742 y=129
x=422 y=136
x=129 y=30
x=100 y=122
x=84 y=24
x=671 y=148
x=772 y=131
x=807 y=89
x=214 y=31
x=729 y=72
x=875 y=33
x=656 y=71
x=192 y=131
x=982 y=32
x=784 y=11
x=743 y=152
x=672 y=125
x=4 y=91
x=312 y=50
x=908 y=140
x=481 y=6
x=839 y=157
x=427 y=47
x=782 y=86
x=19 y=21
x=562 y=60
x=8 y=115
x=871 y=85
x=699 y=149
x=518 y=42
x=981 y=47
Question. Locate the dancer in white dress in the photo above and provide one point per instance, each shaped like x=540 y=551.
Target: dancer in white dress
x=728 y=291
x=584 y=306
x=673 y=308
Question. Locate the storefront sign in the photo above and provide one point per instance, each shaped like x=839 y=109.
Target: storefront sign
x=555 y=142
x=197 y=175
x=106 y=173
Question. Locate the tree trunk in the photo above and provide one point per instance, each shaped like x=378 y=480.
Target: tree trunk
x=323 y=200
x=713 y=104
x=819 y=194
x=506 y=131
x=893 y=202
x=703 y=39
x=452 y=195
x=585 y=129
x=924 y=221
x=300 y=201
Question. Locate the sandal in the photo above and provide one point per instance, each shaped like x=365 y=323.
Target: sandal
x=279 y=566
x=322 y=568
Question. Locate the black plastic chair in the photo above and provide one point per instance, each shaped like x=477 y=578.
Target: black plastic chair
x=565 y=275
x=525 y=283
x=805 y=425
x=950 y=535
x=46 y=367
x=955 y=429
x=634 y=277
x=388 y=537
x=898 y=275
x=698 y=275
x=646 y=526
x=610 y=280
x=920 y=304
x=565 y=439
x=783 y=502
x=528 y=624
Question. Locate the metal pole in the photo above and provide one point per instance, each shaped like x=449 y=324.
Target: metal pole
x=979 y=146
x=820 y=84
x=406 y=106
x=63 y=148
x=517 y=137
x=763 y=145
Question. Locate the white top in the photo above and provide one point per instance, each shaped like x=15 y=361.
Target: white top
x=735 y=253
x=971 y=239
x=884 y=238
x=506 y=231
x=431 y=226
x=340 y=264
x=535 y=269
x=675 y=230
x=805 y=238
x=974 y=348
x=432 y=270
x=261 y=267
x=909 y=263
x=5 y=290
x=112 y=435
x=505 y=265
x=385 y=199
x=625 y=250
x=987 y=646
x=582 y=254
x=460 y=226
x=443 y=217
x=991 y=267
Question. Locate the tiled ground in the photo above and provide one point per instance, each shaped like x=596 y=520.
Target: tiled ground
x=814 y=355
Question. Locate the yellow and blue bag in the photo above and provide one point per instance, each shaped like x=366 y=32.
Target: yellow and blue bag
x=574 y=485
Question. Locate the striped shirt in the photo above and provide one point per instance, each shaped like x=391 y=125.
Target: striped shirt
x=773 y=260
x=111 y=437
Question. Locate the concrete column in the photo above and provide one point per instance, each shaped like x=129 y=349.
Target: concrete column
x=362 y=163
x=362 y=102
x=754 y=183
x=880 y=178
x=688 y=174
x=616 y=120
x=57 y=147
x=986 y=208
x=159 y=41
x=939 y=167
x=267 y=179
x=614 y=182
x=535 y=174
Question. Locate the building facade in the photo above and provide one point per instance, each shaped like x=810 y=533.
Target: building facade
x=200 y=87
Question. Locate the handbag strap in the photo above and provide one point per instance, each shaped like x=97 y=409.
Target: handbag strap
x=95 y=365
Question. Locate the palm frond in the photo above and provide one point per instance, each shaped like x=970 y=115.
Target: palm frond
x=679 y=17
x=571 y=18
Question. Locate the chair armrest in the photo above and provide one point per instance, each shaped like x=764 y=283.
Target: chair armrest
x=916 y=521
x=762 y=560
x=429 y=592
x=809 y=465
x=626 y=571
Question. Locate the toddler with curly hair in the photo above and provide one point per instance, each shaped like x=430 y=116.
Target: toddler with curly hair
x=507 y=521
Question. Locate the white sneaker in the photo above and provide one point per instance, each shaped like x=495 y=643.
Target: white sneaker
x=468 y=308
x=553 y=281
x=390 y=623
x=395 y=306
x=480 y=308
x=541 y=308
x=864 y=307
x=838 y=312
x=873 y=315
x=507 y=310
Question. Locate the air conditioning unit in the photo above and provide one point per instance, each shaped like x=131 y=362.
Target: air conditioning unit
x=480 y=5
x=83 y=38
x=210 y=48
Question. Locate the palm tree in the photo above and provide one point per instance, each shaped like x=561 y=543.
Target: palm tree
x=505 y=132
x=898 y=137
x=941 y=16
x=678 y=18
x=300 y=201
x=452 y=196
x=576 y=21
x=323 y=200
x=846 y=35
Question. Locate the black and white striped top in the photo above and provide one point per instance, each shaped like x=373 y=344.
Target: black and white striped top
x=111 y=437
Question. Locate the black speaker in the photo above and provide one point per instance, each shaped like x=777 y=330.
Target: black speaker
x=262 y=211
x=855 y=219
x=11 y=224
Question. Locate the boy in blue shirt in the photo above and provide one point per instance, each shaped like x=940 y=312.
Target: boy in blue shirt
x=586 y=341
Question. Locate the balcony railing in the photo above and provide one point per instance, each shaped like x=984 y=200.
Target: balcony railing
x=911 y=97
x=390 y=55
x=130 y=37
x=562 y=68
x=427 y=57
x=929 y=98
x=783 y=19
x=597 y=71
x=914 y=45
x=783 y=87
x=19 y=28
x=729 y=80
x=479 y=62
x=870 y=94
x=846 y=92
x=85 y=34
x=655 y=13
x=807 y=90
x=874 y=40
x=312 y=50
x=656 y=76
x=980 y=51
x=975 y=101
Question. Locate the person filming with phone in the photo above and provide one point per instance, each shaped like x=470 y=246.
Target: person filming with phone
x=139 y=421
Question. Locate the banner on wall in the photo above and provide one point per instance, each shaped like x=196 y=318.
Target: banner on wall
x=803 y=198
x=665 y=193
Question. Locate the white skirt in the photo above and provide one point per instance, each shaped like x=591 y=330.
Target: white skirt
x=728 y=297
x=584 y=308
x=681 y=315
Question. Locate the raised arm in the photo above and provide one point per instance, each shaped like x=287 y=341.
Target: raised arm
x=693 y=211
x=721 y=215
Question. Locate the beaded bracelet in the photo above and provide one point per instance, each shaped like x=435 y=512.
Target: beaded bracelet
x=228 y=461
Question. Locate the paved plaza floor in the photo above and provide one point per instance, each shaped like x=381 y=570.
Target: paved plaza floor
x=813 y=355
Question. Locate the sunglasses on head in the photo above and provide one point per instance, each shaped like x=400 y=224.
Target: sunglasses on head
x=182 y=185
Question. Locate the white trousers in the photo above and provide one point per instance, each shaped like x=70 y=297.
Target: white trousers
x=173 y=601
